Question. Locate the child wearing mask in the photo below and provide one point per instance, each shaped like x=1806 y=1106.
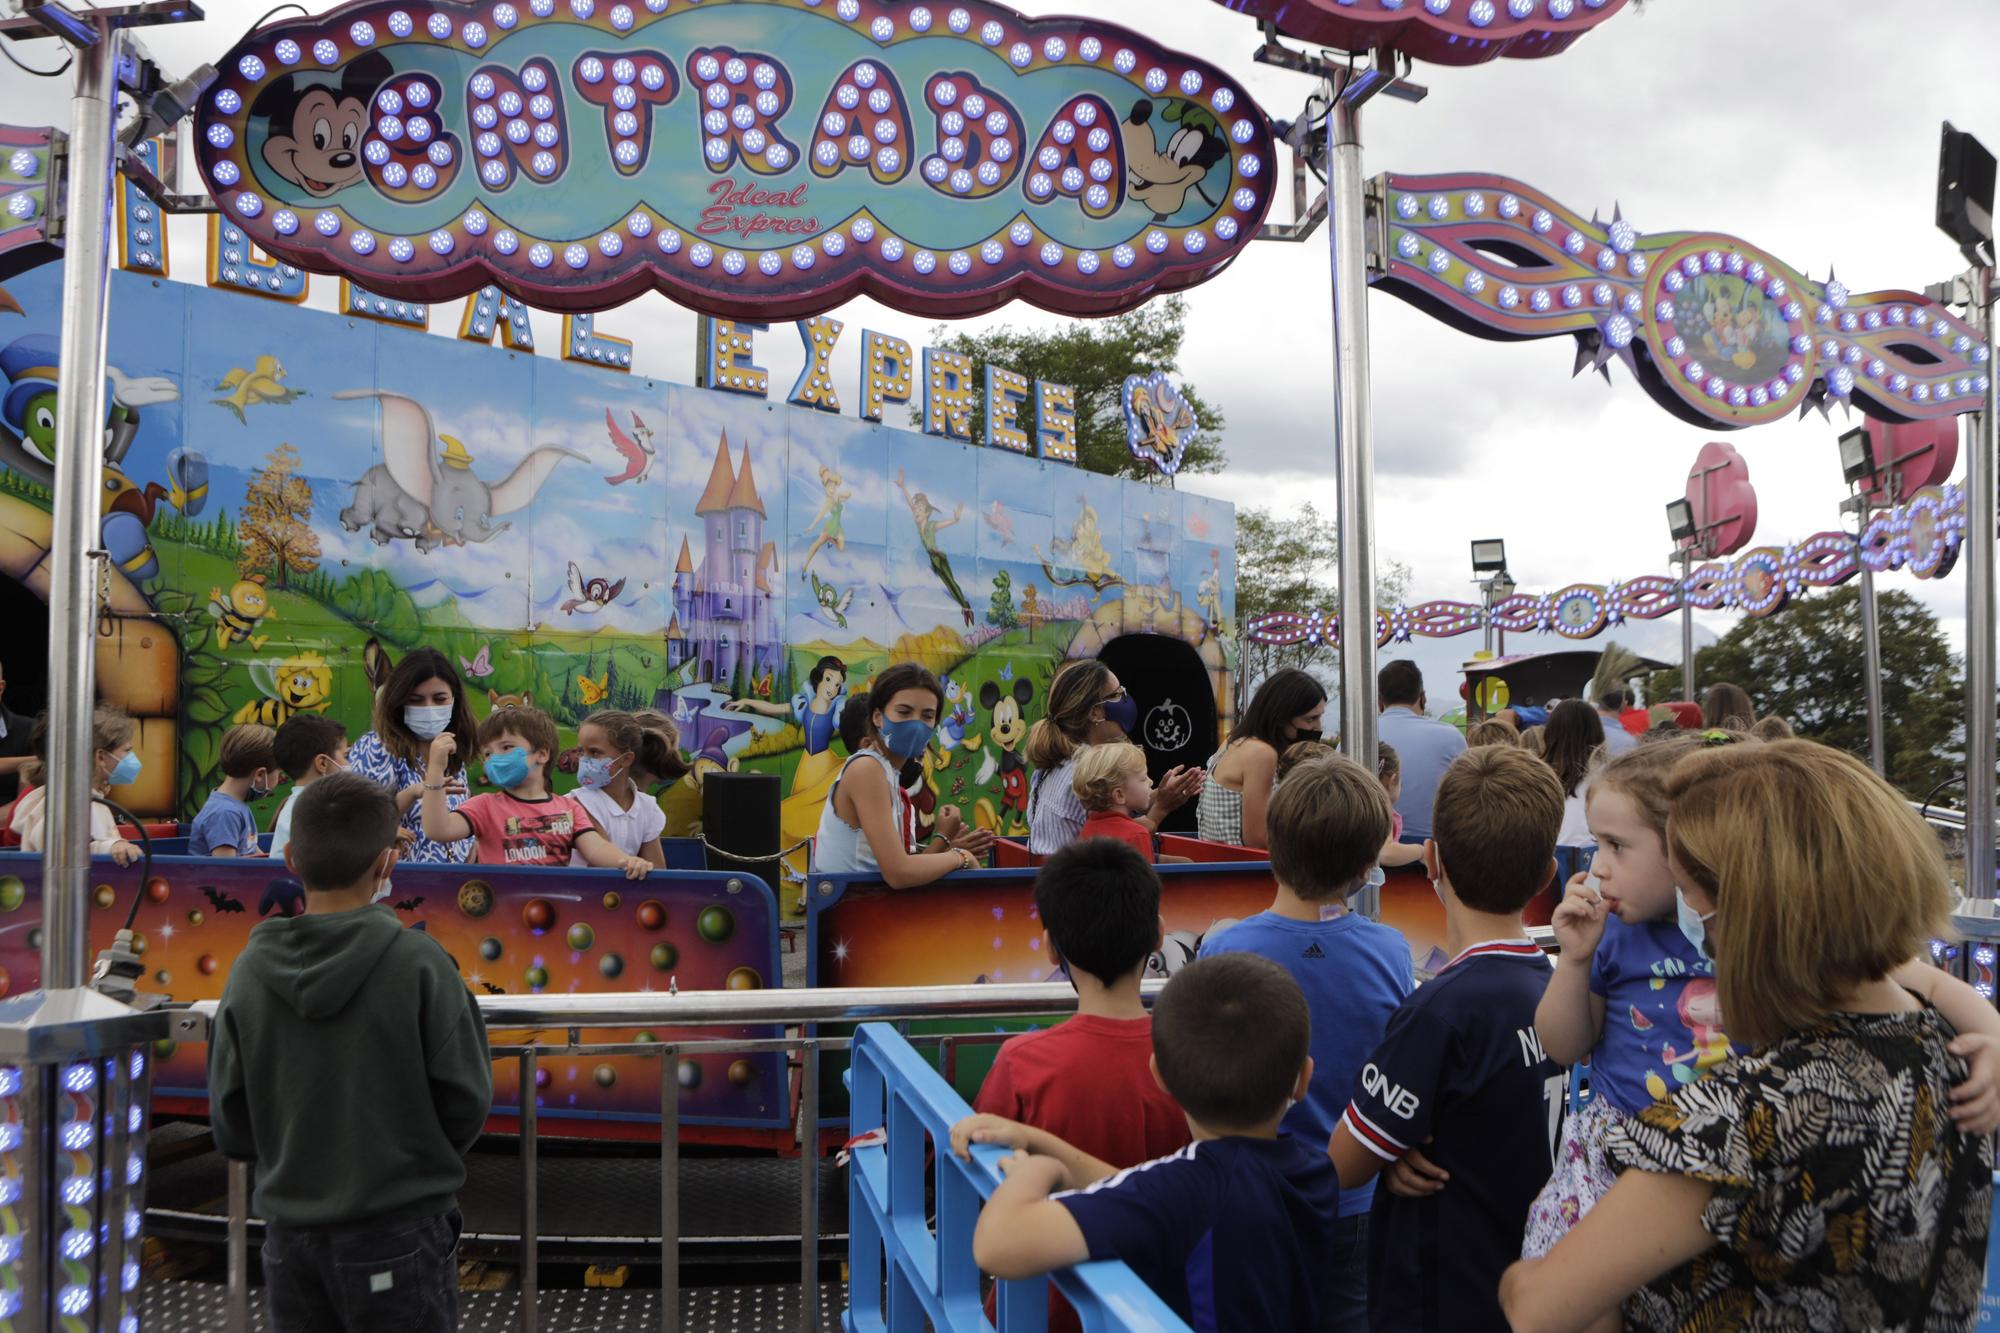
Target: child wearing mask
x=309 y=746
x=861 y=830
x=611 y=747
x=523 y=823
x=113 y=765
x=226 y=825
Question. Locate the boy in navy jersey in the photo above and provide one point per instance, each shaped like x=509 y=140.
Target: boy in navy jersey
x=1233 y=1230
x=1460 y=1071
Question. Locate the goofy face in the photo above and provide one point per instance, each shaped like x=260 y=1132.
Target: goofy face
x=316 y=128
x=1160 y=178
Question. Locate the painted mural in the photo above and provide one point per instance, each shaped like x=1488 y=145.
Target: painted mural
x=295 y=499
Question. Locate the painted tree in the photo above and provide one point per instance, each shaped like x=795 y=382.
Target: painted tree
x=1000 y=609
x=1093 y=357
x=276 y=537
x=1031 y=609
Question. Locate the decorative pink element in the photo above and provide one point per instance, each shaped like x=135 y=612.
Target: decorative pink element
x=1469 y=33
x=1724 y=501
x=1930 y=449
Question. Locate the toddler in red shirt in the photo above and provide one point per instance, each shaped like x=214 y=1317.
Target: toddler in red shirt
x=523 y=823
x=1111 y=781
x=1089 y=1079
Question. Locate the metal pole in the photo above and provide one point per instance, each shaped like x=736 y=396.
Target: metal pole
x=670 y=1192
x=237 y=1309
x=1486 y=625
x=1980 y=528
x=1354 y=439
x=1687 y=625
x=1871 y=646
x=531 y=1199
x=809 y=1187
x=79 y=458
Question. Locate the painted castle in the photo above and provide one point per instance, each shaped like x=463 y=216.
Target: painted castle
x=725 y=615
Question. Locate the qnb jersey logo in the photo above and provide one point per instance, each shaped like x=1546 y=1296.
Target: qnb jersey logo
x=1399 y=1100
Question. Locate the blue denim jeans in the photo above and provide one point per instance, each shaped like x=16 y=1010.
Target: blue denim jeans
x=364 y=1279
x=1346 y=1309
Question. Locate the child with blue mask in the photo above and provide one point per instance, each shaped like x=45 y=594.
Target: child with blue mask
x=523 y=823
x=113 y=765
x=611 y=747
x=861 y=827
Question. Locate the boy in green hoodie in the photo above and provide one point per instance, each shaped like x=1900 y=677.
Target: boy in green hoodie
x=349 y=1062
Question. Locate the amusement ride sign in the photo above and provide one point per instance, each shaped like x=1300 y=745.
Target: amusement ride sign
x=750 y=158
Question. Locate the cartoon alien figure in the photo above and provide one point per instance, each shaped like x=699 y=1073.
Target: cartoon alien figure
x=28 y=445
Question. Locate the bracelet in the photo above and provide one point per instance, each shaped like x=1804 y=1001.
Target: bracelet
x=966 y=860
x=431 y=786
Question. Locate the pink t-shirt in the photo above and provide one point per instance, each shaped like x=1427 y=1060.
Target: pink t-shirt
x=513 y=832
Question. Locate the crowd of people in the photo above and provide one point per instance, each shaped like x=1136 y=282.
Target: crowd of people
x=1785 y=1118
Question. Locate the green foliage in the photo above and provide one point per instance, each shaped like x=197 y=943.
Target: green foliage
x=1093 y=357
x=205 y=714
x=19 y=483
x=1804 y=664
x=217 y=536
x=1289 y=564
x=1000 y=610
x=373 y=600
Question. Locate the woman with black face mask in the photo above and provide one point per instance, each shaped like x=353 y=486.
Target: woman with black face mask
x=1087 y=706
x=1286 y=709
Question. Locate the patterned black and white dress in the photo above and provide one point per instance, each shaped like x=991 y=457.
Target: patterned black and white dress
x=1835 y=1164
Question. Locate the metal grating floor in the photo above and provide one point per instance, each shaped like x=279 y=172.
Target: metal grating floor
x=200 y=1307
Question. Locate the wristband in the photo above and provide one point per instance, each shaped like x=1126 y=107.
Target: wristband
x=432 y=786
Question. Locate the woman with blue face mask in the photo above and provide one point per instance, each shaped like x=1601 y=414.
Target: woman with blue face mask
x=1087 y=706
x=421 y=700
x=860 y=830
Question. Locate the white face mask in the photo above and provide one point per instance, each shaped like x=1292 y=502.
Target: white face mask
x=427 y=721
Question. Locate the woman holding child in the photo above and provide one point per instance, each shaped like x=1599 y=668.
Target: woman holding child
x=1087 y=705
x=1833 y=1177
x=421 y=700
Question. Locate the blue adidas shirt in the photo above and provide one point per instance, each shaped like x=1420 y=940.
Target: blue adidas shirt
x=1233 y=1233
x=1354 y=973
x=1460 y=1074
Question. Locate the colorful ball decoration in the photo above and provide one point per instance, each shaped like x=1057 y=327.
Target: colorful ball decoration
x=542 y=1077
x=475 y=898
x=12 y=893
x=490 y=949
x=538 y=914
x=611 y=901
x=164 y=1048
x=536 y=977
x=104 y=896
x=206 y=964
x=689 y=1074
x=611 y=965
x=651 y=916
x=604 y=1075
x=156 y=889
x=164 y=977
x=715 y=923
x=138 y=944
x=741 y=1072
x=743 y=978
x=665 y=955
x=195 y=918
x=581 y=937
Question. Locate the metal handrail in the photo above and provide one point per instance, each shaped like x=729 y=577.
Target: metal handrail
x=192 y=1023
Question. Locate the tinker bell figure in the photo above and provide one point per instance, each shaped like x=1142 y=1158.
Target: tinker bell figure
x=835 y=496
x=928 y=526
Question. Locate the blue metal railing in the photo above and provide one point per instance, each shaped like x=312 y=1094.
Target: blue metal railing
x=908 y=1270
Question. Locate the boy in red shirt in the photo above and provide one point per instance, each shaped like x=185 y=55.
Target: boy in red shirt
x=1088 y=1080
x=523 y=823
x=1111 y=781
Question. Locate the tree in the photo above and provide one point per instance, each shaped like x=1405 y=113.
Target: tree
x=1288 y=564
x=1804 y=664
x=1000 y=610
x=277 y=505
x=1093 y=359
x=1031 y=609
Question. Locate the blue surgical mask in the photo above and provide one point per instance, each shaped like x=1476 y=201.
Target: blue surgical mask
x=907 y=739
x=427 y=721
x=126 y=771
x=1693 y=924
x=1122 y=711
x=507 y=769
x=593 y=772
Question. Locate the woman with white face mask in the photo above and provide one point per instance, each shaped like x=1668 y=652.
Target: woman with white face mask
x=421 y=700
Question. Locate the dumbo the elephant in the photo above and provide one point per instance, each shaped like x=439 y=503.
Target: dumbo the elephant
x=430 y=495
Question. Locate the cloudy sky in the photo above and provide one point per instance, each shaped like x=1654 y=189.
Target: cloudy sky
x=1807 y=127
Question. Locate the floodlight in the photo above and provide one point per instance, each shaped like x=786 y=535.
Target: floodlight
x=1965 y=194
x=1489 y=556
x=1680 y=521
x=1857 y=455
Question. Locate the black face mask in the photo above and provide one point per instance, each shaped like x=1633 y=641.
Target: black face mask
x=1306 y=734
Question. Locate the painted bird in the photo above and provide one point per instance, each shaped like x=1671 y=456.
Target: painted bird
x=636 y=448
x=589 y=596
x=262 y=385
